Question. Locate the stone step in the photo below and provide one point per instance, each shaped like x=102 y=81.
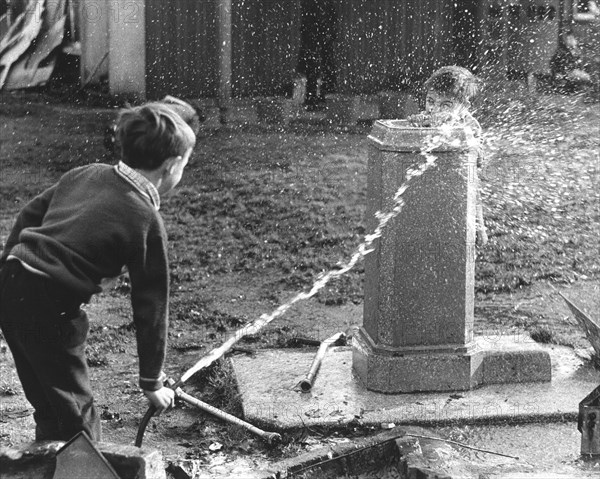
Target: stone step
x=38 y=461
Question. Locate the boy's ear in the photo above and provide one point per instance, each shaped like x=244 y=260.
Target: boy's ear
x=170 y=163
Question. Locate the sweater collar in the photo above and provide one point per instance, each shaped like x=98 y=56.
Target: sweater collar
x=142 y=184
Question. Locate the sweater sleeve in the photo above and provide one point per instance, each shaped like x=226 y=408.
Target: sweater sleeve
x=149 y=274
x=32 y=214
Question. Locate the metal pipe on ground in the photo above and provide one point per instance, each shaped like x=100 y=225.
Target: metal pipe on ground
x=306 y=384
x=269 y=437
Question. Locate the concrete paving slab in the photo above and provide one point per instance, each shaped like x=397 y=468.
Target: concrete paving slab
x=268 y=386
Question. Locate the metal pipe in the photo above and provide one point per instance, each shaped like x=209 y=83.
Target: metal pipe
x=270 y=437
x=306 y=384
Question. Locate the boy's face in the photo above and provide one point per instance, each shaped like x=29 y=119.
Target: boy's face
x=436 y=103
x=174 y=172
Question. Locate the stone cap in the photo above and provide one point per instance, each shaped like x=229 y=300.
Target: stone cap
x=398 y=135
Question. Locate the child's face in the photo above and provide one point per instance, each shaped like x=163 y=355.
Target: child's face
x=571 y=42
x=173 y=174
x=436 y=103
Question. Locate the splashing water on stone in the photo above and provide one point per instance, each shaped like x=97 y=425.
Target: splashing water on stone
x=431 y=143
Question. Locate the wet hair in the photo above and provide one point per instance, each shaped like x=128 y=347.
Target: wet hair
x=151 y=133
x=190 y=113
x=455 y=82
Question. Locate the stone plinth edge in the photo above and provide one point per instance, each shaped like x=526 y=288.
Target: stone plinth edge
x=489 y=361
x=398 y=135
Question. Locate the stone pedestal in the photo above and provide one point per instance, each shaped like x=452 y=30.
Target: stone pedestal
x=417 y=332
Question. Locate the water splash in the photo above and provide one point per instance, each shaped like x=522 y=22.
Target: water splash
x=366 y=247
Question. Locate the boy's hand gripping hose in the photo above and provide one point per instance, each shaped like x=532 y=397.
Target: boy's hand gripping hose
x=216 y=354
x=269 y=437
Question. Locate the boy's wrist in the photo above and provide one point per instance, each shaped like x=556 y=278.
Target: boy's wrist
x=152 y=384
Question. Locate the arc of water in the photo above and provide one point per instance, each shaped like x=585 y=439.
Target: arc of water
x=360 y=252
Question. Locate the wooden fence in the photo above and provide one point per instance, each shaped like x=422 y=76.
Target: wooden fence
x=379 y=42
x=181 y=50
x=385 y=41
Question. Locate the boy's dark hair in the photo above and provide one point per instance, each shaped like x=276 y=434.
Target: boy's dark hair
x=151 y=133
x=455 y=82
x=191 y=114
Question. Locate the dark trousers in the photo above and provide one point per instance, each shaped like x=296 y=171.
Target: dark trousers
x=46 y=331
x=316 y=58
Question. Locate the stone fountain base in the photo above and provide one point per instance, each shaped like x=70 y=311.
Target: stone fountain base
x=487 y=360
x=268 y=386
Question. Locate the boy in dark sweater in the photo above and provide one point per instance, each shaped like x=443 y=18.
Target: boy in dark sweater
x=64 y=245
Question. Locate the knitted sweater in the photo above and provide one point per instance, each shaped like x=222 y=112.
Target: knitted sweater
x=87 y=227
